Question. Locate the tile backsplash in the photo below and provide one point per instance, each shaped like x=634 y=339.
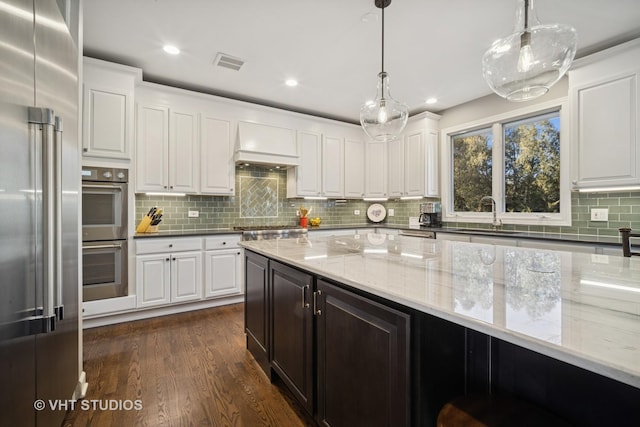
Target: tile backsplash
x=261 y=200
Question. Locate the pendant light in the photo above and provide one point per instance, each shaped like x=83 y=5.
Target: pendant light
x=525 y=64
x=384 y=118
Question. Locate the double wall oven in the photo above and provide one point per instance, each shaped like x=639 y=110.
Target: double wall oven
x=104 y=233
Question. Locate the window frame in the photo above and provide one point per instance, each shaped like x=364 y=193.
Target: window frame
x=496 y=122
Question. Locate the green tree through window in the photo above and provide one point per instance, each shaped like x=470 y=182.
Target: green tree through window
x=472 y=169
x=531 y=164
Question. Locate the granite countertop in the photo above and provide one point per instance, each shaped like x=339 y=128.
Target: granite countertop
x=580 y=308
x=563 y=237
x=187 y=233
x=568 y=238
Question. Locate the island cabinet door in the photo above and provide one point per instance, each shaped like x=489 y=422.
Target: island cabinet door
x=292 y=331
x=256 y=310
x=363 y=360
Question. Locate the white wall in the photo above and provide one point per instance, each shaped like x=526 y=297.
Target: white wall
x=492 y=105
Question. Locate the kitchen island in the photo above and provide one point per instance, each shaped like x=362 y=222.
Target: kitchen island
x=560 y=329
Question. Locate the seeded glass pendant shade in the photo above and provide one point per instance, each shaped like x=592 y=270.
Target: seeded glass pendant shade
x=384 y=118
x=525 y=64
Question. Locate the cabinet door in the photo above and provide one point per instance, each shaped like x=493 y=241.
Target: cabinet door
x=332 y=166
x=308 y=175
x=292 y=333
x=354 y=167
x=217 y=169
x=606 y=127
x=395 y=168
x=153 y=278
x=256 y=307
x=107 y=122
x=414 y=164
x=376 y=169
x=222 y=273
x=356 y=390
x=152 y=149
x=186 y=276
x=184 y=165
x=432 y=172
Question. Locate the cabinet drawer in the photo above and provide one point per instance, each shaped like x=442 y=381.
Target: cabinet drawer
x=154 y=246
x=222 y=242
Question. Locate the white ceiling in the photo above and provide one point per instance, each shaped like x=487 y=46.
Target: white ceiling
x=432 y=47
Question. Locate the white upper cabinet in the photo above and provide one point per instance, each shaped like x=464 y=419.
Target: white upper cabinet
x=184 y=170
x=152 y=157
x=395 y=168
x=432 y=171
x=412 y=160
x=332 y=166
x=306 y=179
x=376 y=168
x=217 y=168
x=108 y=109
x=167 y=150
x=414 y=163
x=604 y=92
x=354 y=168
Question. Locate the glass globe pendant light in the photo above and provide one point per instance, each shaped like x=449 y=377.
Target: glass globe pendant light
x=525 y=64
x=384 y=118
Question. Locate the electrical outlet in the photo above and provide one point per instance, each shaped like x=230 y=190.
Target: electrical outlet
x=356 y=212
x=392 y=212
x=194 y=214
x=600 y=214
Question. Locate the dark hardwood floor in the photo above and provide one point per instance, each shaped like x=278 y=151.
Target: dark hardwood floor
x=189 y=369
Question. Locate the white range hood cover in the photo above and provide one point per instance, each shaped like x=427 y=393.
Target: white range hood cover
x=266 y=144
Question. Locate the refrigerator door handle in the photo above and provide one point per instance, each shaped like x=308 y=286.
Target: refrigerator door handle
x=30 y=325
x=44 y=121
x=58 y=307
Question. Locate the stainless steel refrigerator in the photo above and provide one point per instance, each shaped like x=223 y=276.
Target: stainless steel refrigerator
x=39 y=196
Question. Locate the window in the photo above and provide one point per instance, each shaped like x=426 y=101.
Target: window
x=532 y=164
x=472 y=172
x=513 y=158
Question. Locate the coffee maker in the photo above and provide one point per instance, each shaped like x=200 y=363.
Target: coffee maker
x=430 y=214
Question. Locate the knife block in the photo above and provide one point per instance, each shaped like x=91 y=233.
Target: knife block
x=144 y=224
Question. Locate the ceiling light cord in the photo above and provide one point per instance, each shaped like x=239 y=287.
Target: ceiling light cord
x=382 y=68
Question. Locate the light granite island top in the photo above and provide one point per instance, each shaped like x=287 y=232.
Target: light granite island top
x=579 y=308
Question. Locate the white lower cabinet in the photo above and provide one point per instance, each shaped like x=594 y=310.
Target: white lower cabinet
x=168 y=278
x=223 y=271
x=168 y=271
x=222 y=266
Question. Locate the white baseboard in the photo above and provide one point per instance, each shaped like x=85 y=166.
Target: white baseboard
x=139 y=314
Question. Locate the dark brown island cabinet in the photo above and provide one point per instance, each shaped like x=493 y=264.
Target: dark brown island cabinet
x=346 y=357
x=352 y=359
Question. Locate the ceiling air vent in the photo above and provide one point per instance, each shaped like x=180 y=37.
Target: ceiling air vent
x=228 y=61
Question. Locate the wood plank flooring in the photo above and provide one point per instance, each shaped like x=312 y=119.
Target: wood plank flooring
x=189 y=369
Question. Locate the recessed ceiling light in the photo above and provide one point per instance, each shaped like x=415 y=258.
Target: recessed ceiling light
x=431 y=100
x=291 y=83
x=170 y=49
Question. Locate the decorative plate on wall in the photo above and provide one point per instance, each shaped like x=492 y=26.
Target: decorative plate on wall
x=376 y=212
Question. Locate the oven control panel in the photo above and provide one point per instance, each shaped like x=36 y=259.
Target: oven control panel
x=104 y=174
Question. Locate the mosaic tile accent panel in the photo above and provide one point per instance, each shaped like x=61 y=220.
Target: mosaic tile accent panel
x=258 y=197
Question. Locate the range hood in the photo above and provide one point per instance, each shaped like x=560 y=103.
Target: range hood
x=266 y=144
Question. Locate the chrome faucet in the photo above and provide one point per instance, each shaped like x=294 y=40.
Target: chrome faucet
x=496 y=222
